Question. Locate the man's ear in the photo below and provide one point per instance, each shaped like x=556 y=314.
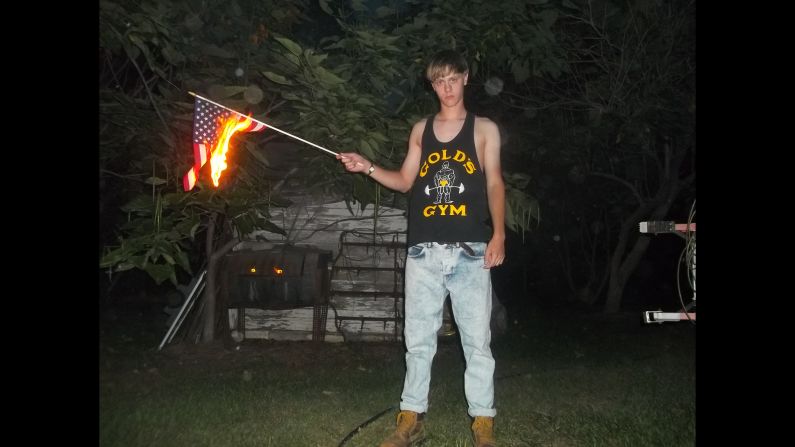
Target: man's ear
x=466 y=77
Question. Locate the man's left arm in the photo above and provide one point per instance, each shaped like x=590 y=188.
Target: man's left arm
x=495 y=190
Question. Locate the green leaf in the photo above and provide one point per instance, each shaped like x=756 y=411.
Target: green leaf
x=111 y=258
x=159 y=272
x=124 y=266
x=244 y=224
x=154 y=181
x=232 y=90
x=358 y=5
x=182 y=259
x=290 y=96
x=364 y=191
x=383 y=11
x=139 y=43
x=548 y=17
x=378 y=136
x=521 y=70
x=290 y=45
x=314 y=59
x=270 y=226
x=173 y=198
x=292 y=59
x=366 y=149
x=257 y=154
x=328 y=77
x=279 y=79
x=224 y=91
x=324 y=6
x=173 y=56
x=139 y=203
x=520 y=210
x=193 y=230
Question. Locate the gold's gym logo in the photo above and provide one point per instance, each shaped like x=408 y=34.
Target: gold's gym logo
x=445 y=188
x=459 y=156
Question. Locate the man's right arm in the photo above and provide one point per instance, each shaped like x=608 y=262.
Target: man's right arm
x=401 y=180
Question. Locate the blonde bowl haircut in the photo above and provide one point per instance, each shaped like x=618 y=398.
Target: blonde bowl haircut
x=444 y=63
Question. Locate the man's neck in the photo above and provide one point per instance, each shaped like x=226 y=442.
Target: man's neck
x=457 y=112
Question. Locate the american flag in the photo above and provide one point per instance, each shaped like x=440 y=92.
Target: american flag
x=206 y=129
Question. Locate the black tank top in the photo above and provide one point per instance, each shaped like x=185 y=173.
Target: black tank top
x=448 y=200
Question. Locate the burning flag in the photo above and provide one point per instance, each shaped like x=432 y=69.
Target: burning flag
x=213 y=126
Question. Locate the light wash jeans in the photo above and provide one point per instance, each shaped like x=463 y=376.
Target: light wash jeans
x=433 y=270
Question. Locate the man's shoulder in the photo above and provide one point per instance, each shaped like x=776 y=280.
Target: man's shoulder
x=486 y=127
x=419 y=128
x=482 y=121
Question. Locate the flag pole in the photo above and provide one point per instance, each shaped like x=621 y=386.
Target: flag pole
x=266 y=124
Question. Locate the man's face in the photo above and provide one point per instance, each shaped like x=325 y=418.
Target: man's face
x=450 y=88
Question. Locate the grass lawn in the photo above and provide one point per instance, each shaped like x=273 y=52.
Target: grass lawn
x=563 y=379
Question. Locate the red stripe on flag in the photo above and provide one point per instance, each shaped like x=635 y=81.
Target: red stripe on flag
x=189 y=179
x=199 y=154
x=196 y=156
x=254 y=127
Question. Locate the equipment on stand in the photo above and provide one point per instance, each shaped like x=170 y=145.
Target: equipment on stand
x=688 y=232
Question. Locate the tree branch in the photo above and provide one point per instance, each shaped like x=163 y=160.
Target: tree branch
x=623 y=182
x=143 y=79
x=126 y=177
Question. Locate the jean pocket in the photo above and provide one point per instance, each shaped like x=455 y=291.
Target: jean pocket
x=478 y=250
x=416 y=251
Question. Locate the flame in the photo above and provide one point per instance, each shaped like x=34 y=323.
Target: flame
x=278 y=271
x=218 y=159
x=253 y=270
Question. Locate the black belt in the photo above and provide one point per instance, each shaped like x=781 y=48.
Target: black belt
x=463 y=245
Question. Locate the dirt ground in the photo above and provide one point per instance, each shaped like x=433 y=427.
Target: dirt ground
x=130 y=335
x=129 y=339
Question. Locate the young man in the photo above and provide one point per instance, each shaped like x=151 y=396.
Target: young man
x=452 y=169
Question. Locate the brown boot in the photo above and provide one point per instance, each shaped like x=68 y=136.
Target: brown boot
x=410 y=430
x=483 y=431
